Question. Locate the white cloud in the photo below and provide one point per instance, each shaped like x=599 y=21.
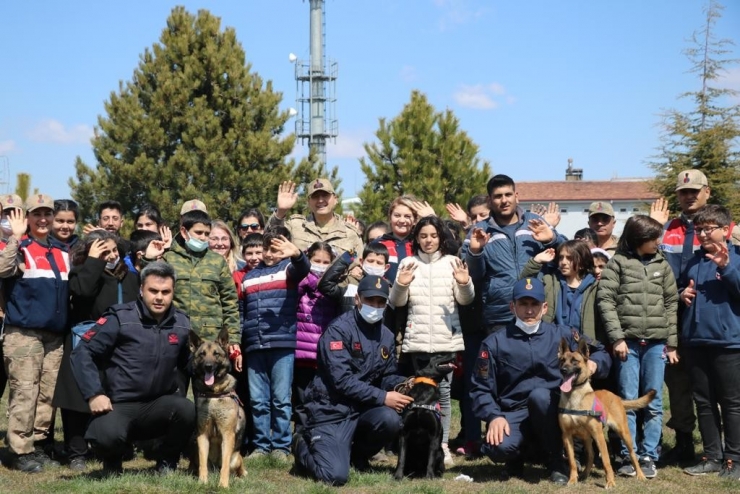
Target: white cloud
x=408 y=73
x=457 y=12
x=482 y=96
x=50 y=130
x=7 y=146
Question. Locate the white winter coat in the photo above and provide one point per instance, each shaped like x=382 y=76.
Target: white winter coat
x=433 y=323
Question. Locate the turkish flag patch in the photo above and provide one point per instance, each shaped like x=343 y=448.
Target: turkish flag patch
x=357 y=346
x=335 y=345
x=483 y=354
x=173 y=339
x=89 y=334
x=101 y=321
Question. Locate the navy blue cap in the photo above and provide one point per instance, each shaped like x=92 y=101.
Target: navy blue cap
x=529 y=287
x=373 y=286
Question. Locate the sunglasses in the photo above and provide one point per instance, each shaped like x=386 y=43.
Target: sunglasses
x=250 y=226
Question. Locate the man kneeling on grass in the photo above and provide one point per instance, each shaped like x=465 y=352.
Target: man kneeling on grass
x=137 y=346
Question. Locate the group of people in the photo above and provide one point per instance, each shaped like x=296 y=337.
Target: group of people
x=327 y=316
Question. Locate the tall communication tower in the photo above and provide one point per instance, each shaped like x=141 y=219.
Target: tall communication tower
x=316 y=88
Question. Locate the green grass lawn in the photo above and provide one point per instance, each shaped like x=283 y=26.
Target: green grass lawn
x=266 y=476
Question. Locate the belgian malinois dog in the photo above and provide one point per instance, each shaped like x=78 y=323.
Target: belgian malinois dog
x=220 y=415
x=585 y=413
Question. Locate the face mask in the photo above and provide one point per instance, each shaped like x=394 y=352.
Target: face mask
x=527 y=328
x=373 y=270
x=371 y=314
x=318 y=269
x=5 y=227
x=196 y=245
x=110 y=266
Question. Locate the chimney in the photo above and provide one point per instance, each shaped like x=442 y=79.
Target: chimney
x=573 y=174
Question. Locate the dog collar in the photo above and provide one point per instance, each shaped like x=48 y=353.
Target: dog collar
x=226 y=394
x=425 y=380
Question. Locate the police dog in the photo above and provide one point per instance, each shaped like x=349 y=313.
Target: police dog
x=420 y=442
x=220 y=416
x=585 y=413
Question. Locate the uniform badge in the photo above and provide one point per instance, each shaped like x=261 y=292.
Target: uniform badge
x=335 y=345
x=528 y=286
x=384 y=353
x=377 y=284
x=686 y=178
x=173 y=339
x=481 y=368
x=101 y=321
x=483 y=354
x=357 y=346
x=89 y=334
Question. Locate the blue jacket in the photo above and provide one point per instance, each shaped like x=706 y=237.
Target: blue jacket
x=713 y=318
x=37 y=296
x=496 y=268
x=271 y=304
x=356 y=367
x=511 y=364
x=136 y=355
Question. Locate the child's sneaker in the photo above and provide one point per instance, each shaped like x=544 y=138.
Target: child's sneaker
x=449 y=462
x=730 y=470
x=648 y=468
x=626 y=470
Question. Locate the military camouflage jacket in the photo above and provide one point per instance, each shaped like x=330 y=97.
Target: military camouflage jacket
x=304 y=231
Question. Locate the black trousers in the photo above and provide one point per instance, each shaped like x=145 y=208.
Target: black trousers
x=171 y=416
x=715 y=378
x=74 y=424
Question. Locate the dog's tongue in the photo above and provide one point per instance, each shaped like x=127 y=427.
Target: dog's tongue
x=209 y=379
x=567 y=384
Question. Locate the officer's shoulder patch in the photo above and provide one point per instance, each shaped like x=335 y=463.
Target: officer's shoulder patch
x=335 y=345
x=483 y=354
x=89 y=334
x=384 y=352
x=101 y=321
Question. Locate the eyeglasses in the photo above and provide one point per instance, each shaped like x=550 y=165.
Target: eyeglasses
x=707 y=230
x=250 y=226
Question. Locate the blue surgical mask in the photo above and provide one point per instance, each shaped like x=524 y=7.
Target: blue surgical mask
x=371 y=314
x=196 y=245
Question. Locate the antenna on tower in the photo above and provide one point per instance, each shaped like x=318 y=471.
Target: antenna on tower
x=4 y=174
x=316 y=88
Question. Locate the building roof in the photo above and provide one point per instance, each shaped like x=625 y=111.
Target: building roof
x=583 y=190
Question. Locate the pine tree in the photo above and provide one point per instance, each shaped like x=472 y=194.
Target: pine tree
x=23 y=185
x=424 y=153
x=705 y=137
x=194 y=121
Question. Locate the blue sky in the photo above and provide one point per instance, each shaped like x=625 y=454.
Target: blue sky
x=534 y=82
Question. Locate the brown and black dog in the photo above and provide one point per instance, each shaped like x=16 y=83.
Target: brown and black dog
x=585 y=413
x=220 y=415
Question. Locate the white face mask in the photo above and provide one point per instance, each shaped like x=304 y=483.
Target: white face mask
x=373 y=270
x=528 y=328
x=110 y=266
x=319 y=269
x=371 y=314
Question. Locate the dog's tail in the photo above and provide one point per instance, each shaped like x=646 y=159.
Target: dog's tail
x=641 y=402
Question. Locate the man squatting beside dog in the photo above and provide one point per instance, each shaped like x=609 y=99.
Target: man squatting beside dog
x=350 y=410
x=137 y=345
x=516 y=379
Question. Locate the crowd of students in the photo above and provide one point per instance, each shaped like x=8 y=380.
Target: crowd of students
x=654 y=301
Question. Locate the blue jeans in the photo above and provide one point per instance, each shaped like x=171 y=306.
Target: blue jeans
x=642 y=371
x=270 y=374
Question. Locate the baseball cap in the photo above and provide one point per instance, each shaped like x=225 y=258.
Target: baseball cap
x=691 y=179
x=600 y=207
x=38 y=201
x=320 y=184
x=193 y=205
x=11 y=201
x=373 y=286
x=529 y=287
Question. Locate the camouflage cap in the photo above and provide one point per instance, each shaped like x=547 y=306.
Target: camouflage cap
x=691 y=179
x=38 y=201
x=600 y=207
x=193 y=205
x=11 y=201
x=320 y=184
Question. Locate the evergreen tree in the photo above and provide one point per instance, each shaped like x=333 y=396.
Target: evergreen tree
x=193 y=122
x=23 y=185
x=424 y=153
x=705 y=137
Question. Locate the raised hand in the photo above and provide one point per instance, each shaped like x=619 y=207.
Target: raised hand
x=478 y=240
x=350 y=218
x=688 y=294
x=720 y=257
x=155 y=249
x=541 y=231
x=460 y=272
x=458 y=214
x=659 y=211
x=97 y=249
x=286 y=248
x=552 y=214
x=546 y=256
x=18 y=223
x=166 y=234
x=422 y=209
x=286 y=198
x=406 y=274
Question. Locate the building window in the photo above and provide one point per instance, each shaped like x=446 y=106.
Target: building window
x=623 y=210
x=635 y=210
x=585 y=210
x=564 y=210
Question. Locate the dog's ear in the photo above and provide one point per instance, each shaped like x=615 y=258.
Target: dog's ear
x=223 y=339
x=194 y=341
x=564 y=348
x=583 y=348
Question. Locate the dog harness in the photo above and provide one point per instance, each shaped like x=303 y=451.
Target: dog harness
x=432 y=408
x=597 y=410
x=226 y=394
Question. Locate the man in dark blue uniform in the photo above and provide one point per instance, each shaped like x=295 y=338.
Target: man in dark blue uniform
x=137 y=346
x=350 y=411
x=515 y=383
